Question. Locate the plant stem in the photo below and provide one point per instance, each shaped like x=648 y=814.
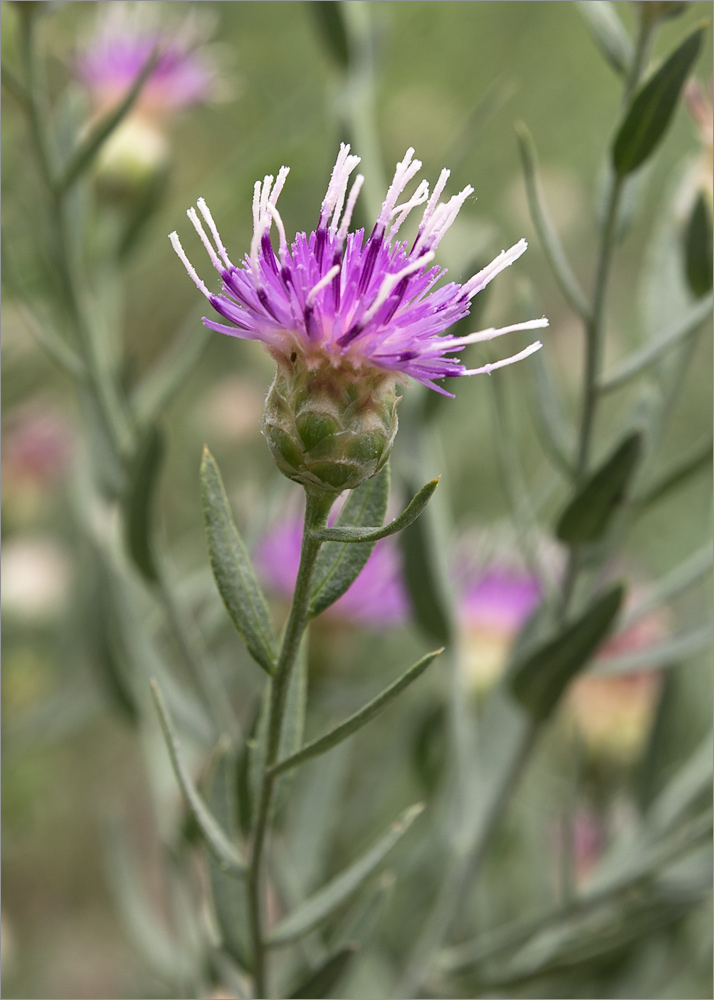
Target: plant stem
x=111 y=410
x=317 y=508
x=595 y=324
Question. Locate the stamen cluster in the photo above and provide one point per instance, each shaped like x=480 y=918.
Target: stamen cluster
x=336 y=299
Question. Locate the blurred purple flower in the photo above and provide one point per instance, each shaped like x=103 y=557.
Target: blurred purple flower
x=124 y=39
x=38 y=443
x=378 y=596
x=335 y=299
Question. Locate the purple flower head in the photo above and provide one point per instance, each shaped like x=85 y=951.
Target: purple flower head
x=124 y=39
x=335 y=298
x=377 y=597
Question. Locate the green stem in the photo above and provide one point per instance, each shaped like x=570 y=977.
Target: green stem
x=109 y=404
x=595 y=325
x=317 y=507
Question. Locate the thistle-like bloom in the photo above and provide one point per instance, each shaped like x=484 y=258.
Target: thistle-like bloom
x=346 y=317
x=124 y=39
x=334 y=298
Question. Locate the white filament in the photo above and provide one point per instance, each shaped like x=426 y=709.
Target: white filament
x=176 y=244
x=487 y=369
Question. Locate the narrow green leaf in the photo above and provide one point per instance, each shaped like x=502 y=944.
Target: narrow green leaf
x=359 y=719
x=652 y=107
x=701 y=458
x=258 y=753
x=588 y=514
x=139 y=503
x=539 y=678
x=229 y=894
x=651 y=353
x=294 y=724
x=551 y=423
x=608 y=33
x=83 y=155
x=698 y=247
x=692 y=780
x=318 y=907
x=552 y=247
x=338 y=566
x=670 y=586
x=410 y=513
x=232 y=569
x=225 y=853
x=16 y=87
x=425 y=580
x=138 y=915
x=333 y=28
x=667 y=653
x=161 y=384
x=323 y=981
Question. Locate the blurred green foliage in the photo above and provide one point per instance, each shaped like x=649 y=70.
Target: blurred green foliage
x=451 y=79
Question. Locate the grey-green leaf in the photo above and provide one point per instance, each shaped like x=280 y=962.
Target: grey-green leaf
x=608 y=33
x=686 y=327
x=138 y=503
x=232 y=569
x=653 y=106
x=677 y=476
x=229 y=894
x=540 y=677
x=317 y=908
x=588 y=514
x=294 y=725
x=551 y=422
x=358 y=719
x=162 y=382
x=338 y=566
x=425 y=582
x=225 y=853
x=323 y=980
x=667 y=653
x=410 y=513
x=549 y=238
x=698 y=247
x=333 y=28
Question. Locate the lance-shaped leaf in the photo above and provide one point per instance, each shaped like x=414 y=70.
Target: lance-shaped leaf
x=424 y=574
x=331 y=22
x=82 y=157
x=652 y=107
x=698 y=248
x=323 y=980
x=667 y=653
x=687 y=573
x=233 y=571
x=164 y=380
x=318 y=907
x=540 y=677
x=291 y=734
x=588 y=514
x=230 y=900
x=338 y=566
x=551 y=423
x=410 y=513
x=550 y=241
x=359 y=719
x=683 y=471
x=651 y=353
x=608 y=33
x=139 y=501
x=225 y=853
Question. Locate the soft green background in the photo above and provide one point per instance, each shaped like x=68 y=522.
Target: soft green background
x=66 y=756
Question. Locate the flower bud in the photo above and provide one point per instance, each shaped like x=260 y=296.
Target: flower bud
x=330 y=428
x=135 y=157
